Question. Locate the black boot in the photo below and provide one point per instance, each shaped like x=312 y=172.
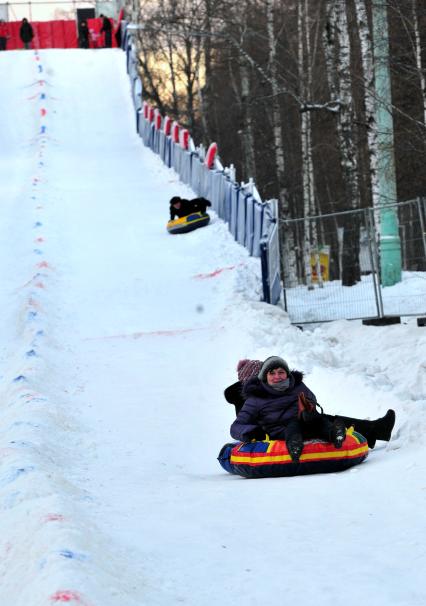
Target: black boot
x=379 y=429
x=295 y=447
x=364 y=427
x=338 y=432
x=383 y=426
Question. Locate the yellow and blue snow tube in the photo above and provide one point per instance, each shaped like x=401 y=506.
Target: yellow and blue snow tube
x=188 y=223
x=270 y=458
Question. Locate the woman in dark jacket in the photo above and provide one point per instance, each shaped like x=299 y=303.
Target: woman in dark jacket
x=273 y=407
x=26 y=33
x=249 y=421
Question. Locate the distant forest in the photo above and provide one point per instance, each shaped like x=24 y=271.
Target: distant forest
x=288 y=90
x=286 y=87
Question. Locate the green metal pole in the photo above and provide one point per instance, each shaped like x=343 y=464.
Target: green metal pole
x=390 y=244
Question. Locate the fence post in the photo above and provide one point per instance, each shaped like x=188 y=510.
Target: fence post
x=264 y=270
x=420 y=204
x=270 y=256
x=374 y=260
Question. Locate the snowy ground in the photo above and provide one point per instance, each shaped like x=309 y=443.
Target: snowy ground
x=334 y=301
x=116 y=342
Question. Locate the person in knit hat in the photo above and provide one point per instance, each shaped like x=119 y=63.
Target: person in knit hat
x=272 y=408
x=270 y=364
x=312 y=422
x=246 y=369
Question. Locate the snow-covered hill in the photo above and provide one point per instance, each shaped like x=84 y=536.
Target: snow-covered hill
x=116 y=342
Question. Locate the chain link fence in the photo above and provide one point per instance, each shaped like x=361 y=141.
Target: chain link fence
x=332 y=270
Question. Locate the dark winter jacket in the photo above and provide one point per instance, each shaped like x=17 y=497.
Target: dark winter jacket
x=274 y=412
x=234 y=395
x=106 y=25
x=83 y=37
x=197 y=205
x=26 y=32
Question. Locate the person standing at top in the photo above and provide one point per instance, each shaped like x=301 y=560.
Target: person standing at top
x=3 y=35
x=107 y=30
x=83 y=35
x=26 y=33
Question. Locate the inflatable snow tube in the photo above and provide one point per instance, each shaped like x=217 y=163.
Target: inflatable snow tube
x=188 y=223
x=269 y=459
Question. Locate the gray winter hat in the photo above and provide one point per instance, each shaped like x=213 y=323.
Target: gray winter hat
x=270 y=364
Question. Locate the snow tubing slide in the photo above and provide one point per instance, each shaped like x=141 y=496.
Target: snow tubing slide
x=188 y=223
x=269 y=459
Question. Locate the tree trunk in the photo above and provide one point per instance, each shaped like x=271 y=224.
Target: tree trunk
x=288 y=256
x=418 y=56
x=369 y=95
x=170 y=53
x=207 y=109
x=247 y=137
x=305 y=134
x=338 y=43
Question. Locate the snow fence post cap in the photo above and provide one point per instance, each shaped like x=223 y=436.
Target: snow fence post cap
x=158 y=119
x=167 y=125
x=175 y=132
x=184 y=138
x=211 y=155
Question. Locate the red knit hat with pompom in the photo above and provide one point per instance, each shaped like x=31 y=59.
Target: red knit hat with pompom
x=247 y=369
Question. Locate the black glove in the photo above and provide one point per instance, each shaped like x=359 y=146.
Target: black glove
x=256 y=434
x=295 y=447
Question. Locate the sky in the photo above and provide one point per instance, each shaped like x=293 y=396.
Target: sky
x=117 y=340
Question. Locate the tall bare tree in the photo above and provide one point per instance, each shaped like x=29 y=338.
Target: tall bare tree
x=369 y=94
x=305 y=84
x=338 y=53
x=287 y=238
x=232 y=69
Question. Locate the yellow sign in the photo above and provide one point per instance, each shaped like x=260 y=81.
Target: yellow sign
x=321 y=255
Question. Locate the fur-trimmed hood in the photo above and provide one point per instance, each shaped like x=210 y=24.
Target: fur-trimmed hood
x=256 y=387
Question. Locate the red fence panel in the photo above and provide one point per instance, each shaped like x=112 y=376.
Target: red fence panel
x=47 y=34
x=70 y=34
x=14 y=41
x=42 y=35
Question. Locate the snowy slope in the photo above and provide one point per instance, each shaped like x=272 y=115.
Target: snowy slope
x=116 y=342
